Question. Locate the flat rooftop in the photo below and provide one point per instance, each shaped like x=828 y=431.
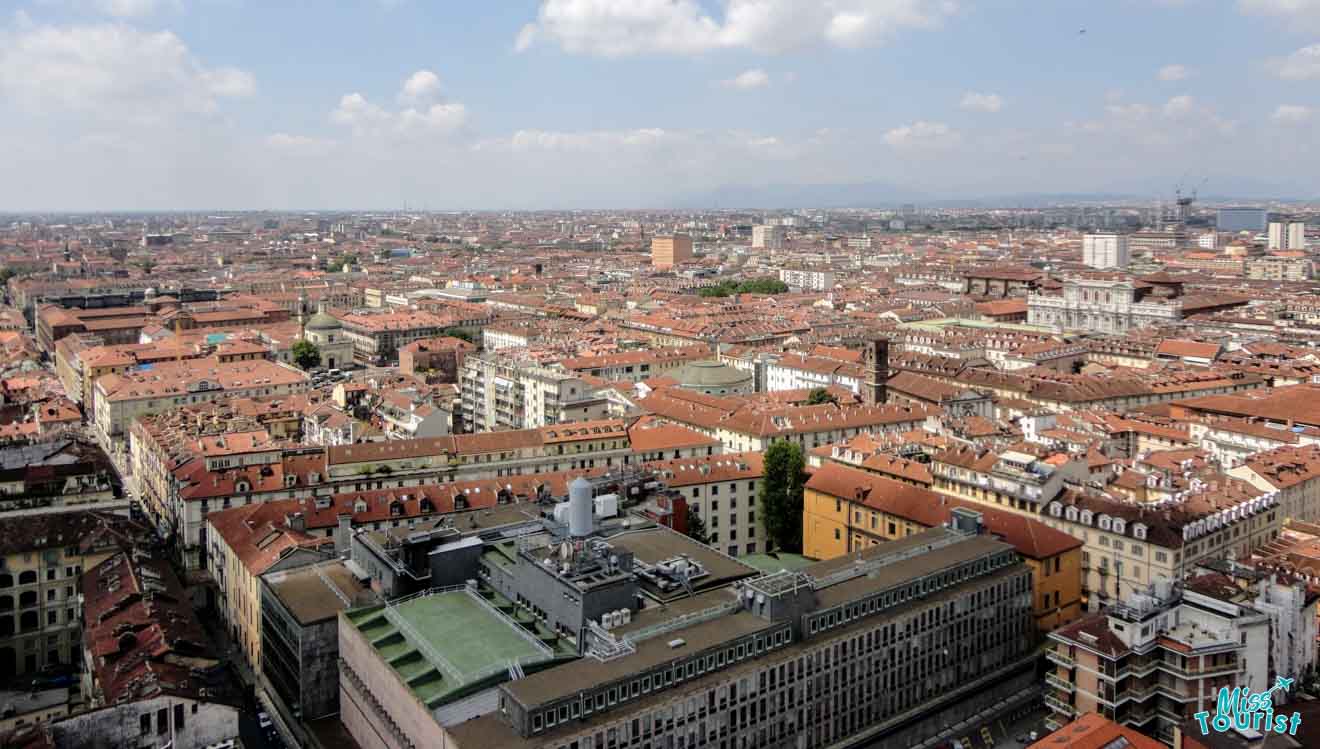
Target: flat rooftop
x=656 y=544
x=316 y=593
x=442 y=643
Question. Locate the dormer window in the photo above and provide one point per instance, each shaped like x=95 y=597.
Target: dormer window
x=1071 y=514
x=1120 y=525
x=1056 y=509
x=1086 y=517
x=290 y=480
x=1104 y=522
x=242 y=487
x=1139 y=531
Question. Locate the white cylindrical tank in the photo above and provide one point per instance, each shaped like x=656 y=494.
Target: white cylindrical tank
x=579 y=508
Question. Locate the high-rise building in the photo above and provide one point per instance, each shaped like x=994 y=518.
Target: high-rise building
x=768 y=237
x=1241 y=219
x=668 y=250
x=1107 y=250
x=1289 y=235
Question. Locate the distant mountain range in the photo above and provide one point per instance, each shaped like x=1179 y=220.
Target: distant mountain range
x=886 y=195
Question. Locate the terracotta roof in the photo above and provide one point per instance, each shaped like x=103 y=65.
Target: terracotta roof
x=1031 y=538
x=1094 y=731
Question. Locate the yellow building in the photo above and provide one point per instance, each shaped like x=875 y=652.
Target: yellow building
x=846 y=510
x=245 y=543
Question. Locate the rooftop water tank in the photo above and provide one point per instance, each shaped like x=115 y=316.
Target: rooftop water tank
x=579 y=508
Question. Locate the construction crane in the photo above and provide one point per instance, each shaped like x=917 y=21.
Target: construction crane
x=1185 y=198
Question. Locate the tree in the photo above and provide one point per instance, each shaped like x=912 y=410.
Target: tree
x=147 y=265
x=306 y=354
x=696 y=527
x=817 y=396
x=458 y=333
x=762 y=286
x=780 y=496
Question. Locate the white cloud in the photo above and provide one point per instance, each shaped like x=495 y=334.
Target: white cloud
x=134 y=8
x=1306 y=12
x=1171 y=73
x=111 y=71
x=229 y=82
x=425 y=112
x=1304 y=64
x=1291 y=114
x=975 y=102
x=570 y=141
x=420 y=87
x=749 y=79
x=288 y=141
x=1179 y=106
x=921 y=134
x=619 y=28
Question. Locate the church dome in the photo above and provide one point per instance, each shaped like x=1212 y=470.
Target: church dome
x=323 y=321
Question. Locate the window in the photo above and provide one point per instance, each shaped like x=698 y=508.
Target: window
x=144 y=724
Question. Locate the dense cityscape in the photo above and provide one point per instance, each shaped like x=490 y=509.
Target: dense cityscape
x=659 y=374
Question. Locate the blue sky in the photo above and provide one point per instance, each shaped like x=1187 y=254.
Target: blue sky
x=180 y=104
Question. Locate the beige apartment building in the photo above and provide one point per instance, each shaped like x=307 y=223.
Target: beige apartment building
x=670 y=250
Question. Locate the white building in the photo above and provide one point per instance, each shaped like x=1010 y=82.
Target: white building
x=1107 y=250
x=808 y=280
x=1287 y=236
x=1102 y=306
x=502 y=392
x=768 y=236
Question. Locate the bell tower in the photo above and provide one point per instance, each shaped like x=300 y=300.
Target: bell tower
x=875 y=362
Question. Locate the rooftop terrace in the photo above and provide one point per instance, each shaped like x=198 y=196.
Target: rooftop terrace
x=446 y=642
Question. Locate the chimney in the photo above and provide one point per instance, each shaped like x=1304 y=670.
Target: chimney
x=343 y=534
x=966 y=520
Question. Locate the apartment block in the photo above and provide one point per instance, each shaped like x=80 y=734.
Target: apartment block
x=503 y=392
x=1162 y=655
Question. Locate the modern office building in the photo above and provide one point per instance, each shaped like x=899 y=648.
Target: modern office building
x=1241 y=219
x=300 y=633
x=614 y=636
x=670 y=249
x=1105 y=250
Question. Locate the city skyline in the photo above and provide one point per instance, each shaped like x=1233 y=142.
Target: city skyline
x=171 y=105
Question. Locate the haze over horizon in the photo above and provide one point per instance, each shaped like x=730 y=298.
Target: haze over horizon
x=184 y=104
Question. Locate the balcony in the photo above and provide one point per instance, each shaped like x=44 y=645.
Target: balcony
x=1058 y=705
x=1060 y=657
x=1060 y=683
